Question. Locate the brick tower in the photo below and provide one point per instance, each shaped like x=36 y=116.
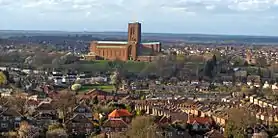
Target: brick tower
x=134 y=38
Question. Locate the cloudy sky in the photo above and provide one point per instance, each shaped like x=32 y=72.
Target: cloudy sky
x=249 y=17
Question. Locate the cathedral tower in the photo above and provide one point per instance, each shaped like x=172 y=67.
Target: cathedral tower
x=134 y=38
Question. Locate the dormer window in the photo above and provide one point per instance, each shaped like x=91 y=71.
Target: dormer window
x=81 y=110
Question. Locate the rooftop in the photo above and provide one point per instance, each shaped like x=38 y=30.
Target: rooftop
x=112 y=42
x=119 y=113
x=125 y=42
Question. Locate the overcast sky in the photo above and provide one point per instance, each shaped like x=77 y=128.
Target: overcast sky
x=249 y=17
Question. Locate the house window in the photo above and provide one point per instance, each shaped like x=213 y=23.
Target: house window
x=180 y=133
x=4 y=125
x=16 y=124
x=17 y=119
x=5 y=118
x=124 y=129
x=88 y=131
x=195 y=127
x=170 y=134
x=88 y=125
x=107 y=129
x=81 y=110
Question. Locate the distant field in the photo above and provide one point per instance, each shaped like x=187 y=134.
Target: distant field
x=108 y=88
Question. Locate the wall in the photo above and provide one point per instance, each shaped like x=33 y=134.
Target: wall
x=155 y=47
x=110 y=51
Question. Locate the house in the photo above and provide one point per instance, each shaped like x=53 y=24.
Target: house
x=80 y=124
x=203 y=87
x=100 y=94
x=266 y=85
x=70 y=77
x=173 y=131
x=115 y=125
x=121 y=113
x=194 y=81
x=31 y=105
x=45 y=114
x=83 y=109
x=200 y=123
x=162 y=120
x=99 y=79
x=261 y=134
x=9 y=119
x=274 y=86
x=240 y=75
x=6 y=94
x=254 y=80
x=227 y=80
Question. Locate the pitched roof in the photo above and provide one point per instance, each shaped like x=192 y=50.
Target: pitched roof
x=96 y=92
x=119 y=113
x=80 y=118
x=44 y=115
x=82 y=105
x=44 y=106
x=200 y=120
x=162 y=120
x=10 y=112
x=115 y=123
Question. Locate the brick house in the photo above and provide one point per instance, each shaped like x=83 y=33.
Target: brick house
x=45 y=114
x=83 y=109
x=124 y=114
x=80 y=124
x=115 y=125
x=9 y=119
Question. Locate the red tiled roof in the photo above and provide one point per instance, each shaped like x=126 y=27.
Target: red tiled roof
x=119 y=113
x=200 y=120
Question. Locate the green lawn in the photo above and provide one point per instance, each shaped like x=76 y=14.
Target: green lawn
x=105 y=65
x=108 y=88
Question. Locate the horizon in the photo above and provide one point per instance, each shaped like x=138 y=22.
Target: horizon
x=164 y=33
x=235 y=17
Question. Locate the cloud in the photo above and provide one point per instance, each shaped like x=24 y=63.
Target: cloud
x=252 y=5
x=210 y=7
x=189 y=5
x=143 y=9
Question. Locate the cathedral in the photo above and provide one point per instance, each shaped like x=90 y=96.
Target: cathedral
x=132 y=49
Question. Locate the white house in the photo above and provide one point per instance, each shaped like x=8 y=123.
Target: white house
x=274 y=86
x=266 y=85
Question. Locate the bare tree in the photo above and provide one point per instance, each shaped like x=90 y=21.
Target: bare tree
x=142 y=127
x=67 y=101
x=27 y=131
x=18 y=104
x=57 y=133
